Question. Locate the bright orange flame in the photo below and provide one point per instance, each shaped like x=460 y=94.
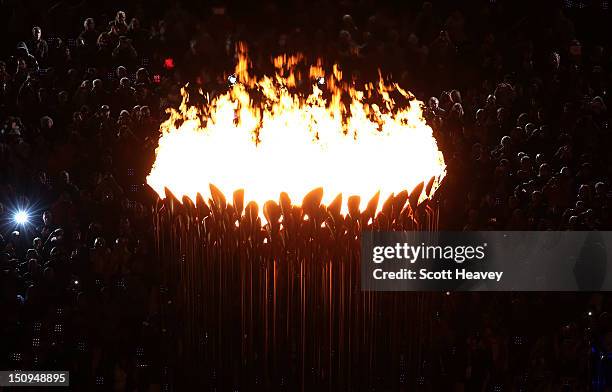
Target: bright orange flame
x=291 y=143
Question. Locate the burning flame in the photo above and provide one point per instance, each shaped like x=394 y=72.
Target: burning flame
x=263 y=137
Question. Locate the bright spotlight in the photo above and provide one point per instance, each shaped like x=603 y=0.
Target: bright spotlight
x=21 y=217
x=321 y=81
x=232 y=79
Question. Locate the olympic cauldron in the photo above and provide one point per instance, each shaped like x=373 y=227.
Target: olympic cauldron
x=267 y=285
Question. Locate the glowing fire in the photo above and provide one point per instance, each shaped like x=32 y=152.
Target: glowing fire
x=265 y=138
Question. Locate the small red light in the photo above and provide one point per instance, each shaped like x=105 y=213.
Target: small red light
x=169 y=63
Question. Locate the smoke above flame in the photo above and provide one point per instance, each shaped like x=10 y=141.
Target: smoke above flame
x=264 y=137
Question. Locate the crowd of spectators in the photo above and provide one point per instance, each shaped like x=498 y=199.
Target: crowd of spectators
x=517 y=99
